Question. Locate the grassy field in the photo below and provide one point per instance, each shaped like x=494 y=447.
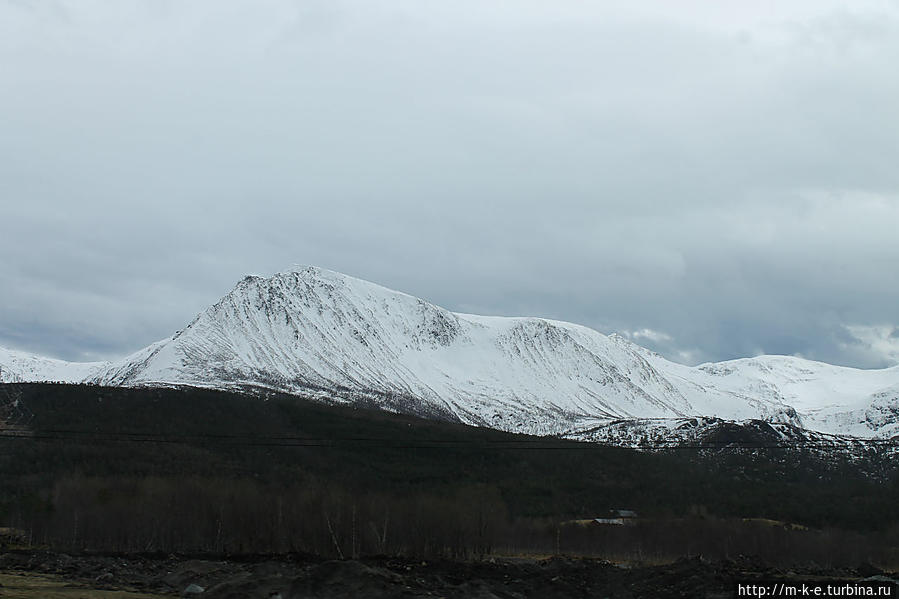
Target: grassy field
x=38 y=586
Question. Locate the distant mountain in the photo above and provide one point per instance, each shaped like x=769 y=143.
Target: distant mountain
x=327 y=336
x=22 y=367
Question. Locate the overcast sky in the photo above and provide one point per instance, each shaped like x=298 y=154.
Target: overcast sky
x=713 y=179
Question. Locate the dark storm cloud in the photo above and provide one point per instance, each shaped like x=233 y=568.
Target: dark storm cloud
x=723 y=182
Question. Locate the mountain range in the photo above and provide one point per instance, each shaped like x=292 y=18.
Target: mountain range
x=330 y=337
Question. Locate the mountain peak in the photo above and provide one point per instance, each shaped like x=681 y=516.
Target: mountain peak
x=311 y=272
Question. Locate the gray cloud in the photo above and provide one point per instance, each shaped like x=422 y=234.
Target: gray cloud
x=723 y=178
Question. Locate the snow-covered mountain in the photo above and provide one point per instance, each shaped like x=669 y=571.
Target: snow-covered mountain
x=324 y=335
x=17 y=366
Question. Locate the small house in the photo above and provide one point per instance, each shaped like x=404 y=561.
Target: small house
x=617 y=518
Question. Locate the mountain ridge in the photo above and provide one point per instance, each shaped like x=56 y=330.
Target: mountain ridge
x=328 y=336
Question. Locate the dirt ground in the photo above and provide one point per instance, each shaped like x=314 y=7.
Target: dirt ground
x=32 y=574
x=28 y=585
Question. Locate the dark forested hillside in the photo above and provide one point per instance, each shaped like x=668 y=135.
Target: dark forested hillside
x=193 y=470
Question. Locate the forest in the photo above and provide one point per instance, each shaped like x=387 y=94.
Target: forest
x=203 y=472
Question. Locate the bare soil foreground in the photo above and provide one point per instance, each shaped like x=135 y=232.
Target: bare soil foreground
x=31 y=574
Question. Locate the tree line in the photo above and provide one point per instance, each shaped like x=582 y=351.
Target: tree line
x=199 y=471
